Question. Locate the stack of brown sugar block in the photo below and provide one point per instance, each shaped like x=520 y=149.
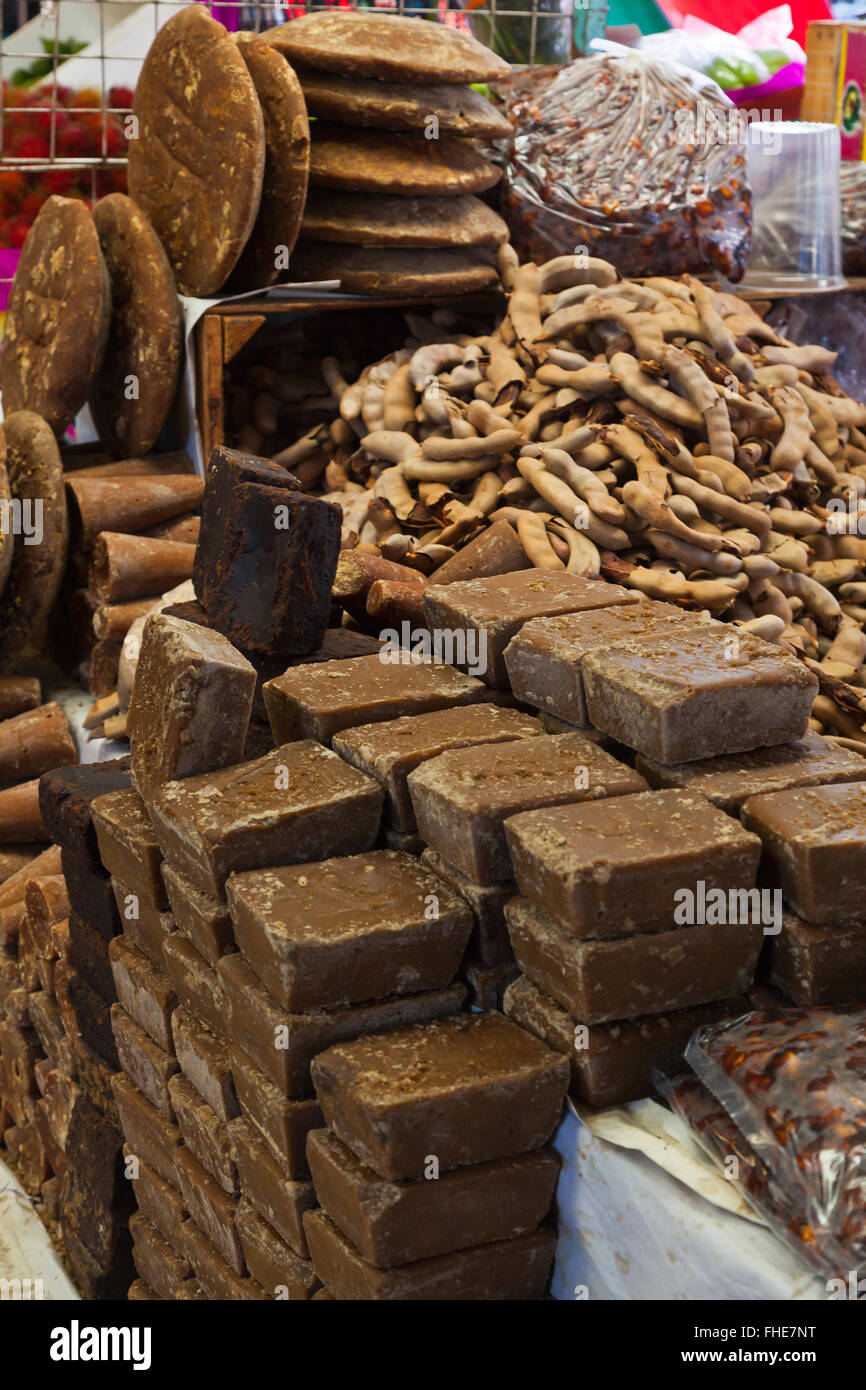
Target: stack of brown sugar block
x=432 y=1174
x=619 y=960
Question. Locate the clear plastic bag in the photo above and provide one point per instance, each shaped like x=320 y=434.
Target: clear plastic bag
x=852 y=192
x=793 y=1082
x=625 y=158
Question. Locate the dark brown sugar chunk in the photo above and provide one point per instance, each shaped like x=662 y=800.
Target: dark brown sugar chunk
x=200 y=916
x=818 y=965
x=373 y=161
x=144 y=991
x=283 y=1124
x=619 y=867
x=271 y=569
x=197 y=985
x=321 y=699
x=149 y=1067
x=465 y=1090
x=814 y=841
x=463 y=798
x=697 y=692
x=160 y=1202
x=90 y=894
x=34 y=474
x=279 y=1200
x=287 y=164
x=508 y=1270
x=597 y=981
x=386 y=47
x=730 y=780
x=489 y=942
x=128 y=845
x=613 y=1063
x=298 y=802
x=272 y=1263
x=204 y=1133
x=65 y=796
x=197 y=166
x=148 y=1135
x=191 y=703
x=397 y=269
x=493 y=609
x=204 y=1059
x=144 y=336
x=57 y=319
x=544 y=659
x=402 y=106
x=390 y=751
x=346 y=930
x=378 y=220
x=283 y=1045
x=393 y=1223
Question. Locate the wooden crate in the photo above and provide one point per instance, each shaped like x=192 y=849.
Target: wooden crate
x=225 y=329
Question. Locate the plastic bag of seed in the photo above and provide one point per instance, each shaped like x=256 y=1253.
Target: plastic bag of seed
x=624 y=158
x=793 y=1084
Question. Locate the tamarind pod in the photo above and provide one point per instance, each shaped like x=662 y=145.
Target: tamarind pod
x=770 y=627
x=441 y=449
x=504 y=373
x=533 y=537
x=669 y=289
x=742 y=513
x=642 y=388
x=565 y=271
x=735 y=482
x=371 y=407
x=591 y=310
x=585 y=484
x=508 y=264
x=788 y=553
x=583 y=556
x=595 y=379
x=809 y=358
x=486 y=493
x=792 y=523
x=654 y=512
x=391 y=445
x=818 y=600
x=684 y=370
x=512 y=514
x=692 y=557
x=429 y=360
x=823 y=468
x=571 y=361
x=484 y=418
x=398 y=400
x=630 y=444
x=668 y=445
x=516 y=490
x=850 y=546
x=829 y=712
x=751 y=407
x=446 y=470
x=719 y=432
x=531 y=422
x=843 y=409
x=831 y=573
x=524 y=310
x=768 y=599
x=575 y=510
x=777 y=375
x=854 y=592
x=719 y=337
x=753 y=327
x=672 y=586
x=760 y=566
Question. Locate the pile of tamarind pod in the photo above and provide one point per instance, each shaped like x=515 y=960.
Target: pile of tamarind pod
x=656 y=433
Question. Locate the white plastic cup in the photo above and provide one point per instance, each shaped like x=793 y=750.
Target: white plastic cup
x=793 y=168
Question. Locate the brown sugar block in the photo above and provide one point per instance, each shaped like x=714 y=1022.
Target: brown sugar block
x=813 y=839
x=372 y=161
x=486 y=984
x=148 y=1135
x=391 y=750
x=65 y=796
x=190 y=705
x=140 y=1292
x=490 y=611
x=377 y=220
x=489 y=942
x=226 y=470
x=144 y=991
x=386 y=47
x=287 y=164
x=215 y=1279
x=818 y=965
x=697 y=692
x=204 y=206
x=394 y=1223
x=90 y=895
x=205 y=1061
x=33 y=742
x=321 y=699
x=544 y=659
x=613 y=1063
x=597 y=981
x=402 y=106
x=149 y=1067
x=57 y=319
x=283 y=1045
x=93 y=1147
x=297 y=803
x=88 y=955
x=144 y=336
x=100 y=1226
x=278 y=1200
x=495 y=550
x=347 y=930
x=396 y=270
x=730 y=780
x=157 y=1261
x=463 y=797
x=127 y=503
x=211 y=1208
x=93 y=1016
x=196 y=983
x=468 y=1089
x=128 y=844
x=35 y=476
x=507 y=1270
x=46 y=902
x=204 y=1133
x=271 y=1262
x=94 y=1281
x=619 y=867
x=94 y=1075
x=143 y=924
x=160 y=1202
x=204 y=919
x=283 y=1124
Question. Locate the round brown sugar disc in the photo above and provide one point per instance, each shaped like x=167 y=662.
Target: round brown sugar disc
x=389 y=48
x=366 y=219
x=38 y=509
x=362 y=270
x=133 y=392
x=57 y=320
x=378 y=161
x=197 y=164
x=395 y=106
x=287 y=166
